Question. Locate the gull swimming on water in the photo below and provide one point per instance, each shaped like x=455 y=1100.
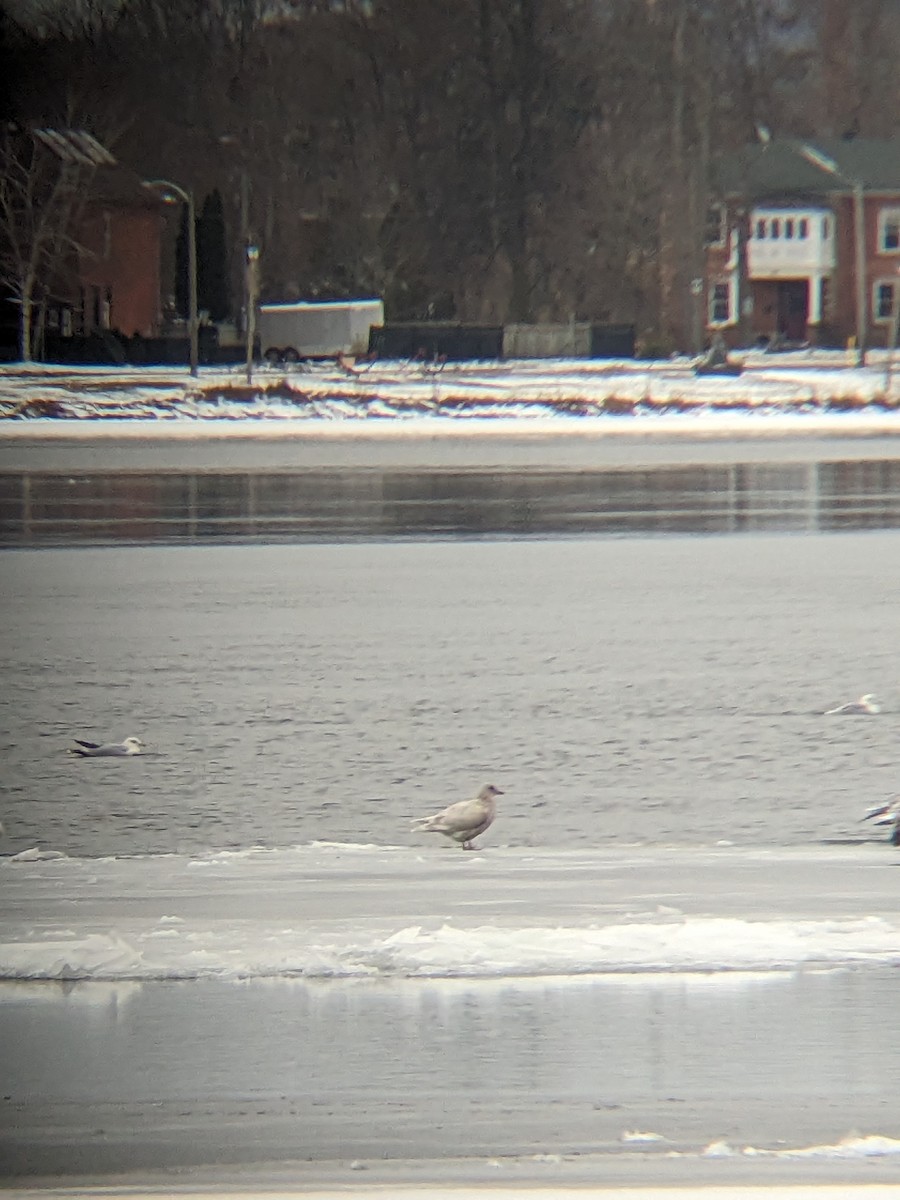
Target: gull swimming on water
x=464 y=820
x=864 y=705
x=131 y=745
x=887 y=814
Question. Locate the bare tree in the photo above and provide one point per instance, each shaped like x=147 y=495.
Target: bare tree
x=856 y=85
x=488 y=160
x=43 y=180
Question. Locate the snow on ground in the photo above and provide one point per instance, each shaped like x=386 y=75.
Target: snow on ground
x=621 y=392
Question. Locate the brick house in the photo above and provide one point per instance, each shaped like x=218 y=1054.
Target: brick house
x=792 y=221
x=119 y=257
x=113 y=279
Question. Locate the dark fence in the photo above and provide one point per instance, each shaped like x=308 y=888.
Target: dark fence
x=424 y=341
x=430 y=340
x=105 y=346
x=612 y=341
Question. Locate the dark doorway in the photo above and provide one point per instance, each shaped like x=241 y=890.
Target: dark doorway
x=793 y=309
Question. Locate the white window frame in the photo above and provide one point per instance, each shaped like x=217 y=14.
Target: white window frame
x=888 y=217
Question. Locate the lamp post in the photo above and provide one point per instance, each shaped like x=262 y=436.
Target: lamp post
x=827 y=164
x=168 y=192
x=252 y=263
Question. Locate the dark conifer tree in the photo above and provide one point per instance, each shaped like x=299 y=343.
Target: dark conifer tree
x=212 y=260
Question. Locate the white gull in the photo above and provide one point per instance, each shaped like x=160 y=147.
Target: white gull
x=464 y=820
x=131 y=745
x=864 y=705
x=887 y=814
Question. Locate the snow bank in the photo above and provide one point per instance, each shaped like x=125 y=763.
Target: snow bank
x=572 y=391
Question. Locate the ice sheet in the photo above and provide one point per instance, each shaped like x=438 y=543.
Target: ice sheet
x=336 y=911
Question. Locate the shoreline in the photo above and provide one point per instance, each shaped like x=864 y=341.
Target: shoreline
x=527 y=413
x=869 y=421
x=464 y=444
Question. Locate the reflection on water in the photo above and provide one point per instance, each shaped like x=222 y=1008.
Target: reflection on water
x=284 y=1071
x=46 y=508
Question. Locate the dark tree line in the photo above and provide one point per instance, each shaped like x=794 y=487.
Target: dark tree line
x=486 y=160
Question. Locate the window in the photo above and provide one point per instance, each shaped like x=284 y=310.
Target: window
x=803 y=228
x=720 y=304
x=884 y=298
x=826 y=229
x=889 y=231
x=760 y=229
x=715 y=225
x=776 y=228
x=789 y=228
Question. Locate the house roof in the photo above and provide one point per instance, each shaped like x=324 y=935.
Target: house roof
x=120 y=186
x=778 y=167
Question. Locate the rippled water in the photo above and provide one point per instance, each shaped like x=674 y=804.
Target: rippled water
x=618 y=690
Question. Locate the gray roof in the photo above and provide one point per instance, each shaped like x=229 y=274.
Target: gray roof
x=778 y=168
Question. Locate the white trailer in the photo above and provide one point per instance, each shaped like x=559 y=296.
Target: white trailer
x=317 y=329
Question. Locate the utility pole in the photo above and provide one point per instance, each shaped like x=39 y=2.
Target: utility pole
x=252 y=289
x=170 y=191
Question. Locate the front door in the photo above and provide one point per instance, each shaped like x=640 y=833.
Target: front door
x=793 y=309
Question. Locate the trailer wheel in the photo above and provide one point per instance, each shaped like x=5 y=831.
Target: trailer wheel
x=273 y=356
x=290 y=355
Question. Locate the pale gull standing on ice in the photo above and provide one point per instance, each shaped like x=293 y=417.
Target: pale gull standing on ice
x=464 y=820
x=864 y=705
x=131 y=745
x=887 y=814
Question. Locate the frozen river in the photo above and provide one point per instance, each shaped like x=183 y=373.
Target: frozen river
x=671 y=958
x=619 y=690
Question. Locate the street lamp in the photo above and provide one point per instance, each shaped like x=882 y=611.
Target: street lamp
x=168 y=191
x=252 y=289
x=827 y=164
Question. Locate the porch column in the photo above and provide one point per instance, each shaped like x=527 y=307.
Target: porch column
x=814 y=289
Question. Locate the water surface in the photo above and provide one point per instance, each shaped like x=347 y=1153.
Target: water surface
x=618 y=689
x=40 y=508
